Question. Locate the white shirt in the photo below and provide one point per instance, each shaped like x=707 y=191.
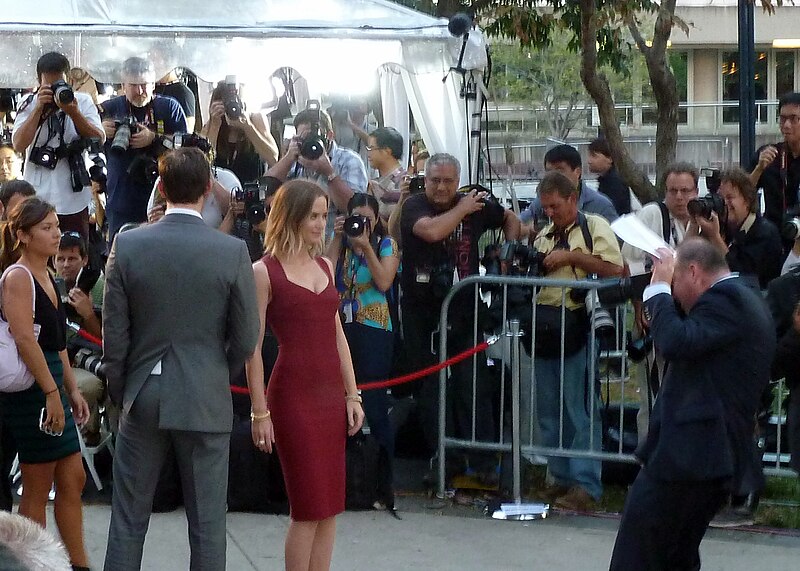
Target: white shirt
x=212 y=213
x=55 y=186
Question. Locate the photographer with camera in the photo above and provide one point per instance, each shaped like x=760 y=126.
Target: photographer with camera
x=314 y=154
x=242 y=142
x=776 y=168
x=52 y=128
x=567 y=255
x=441 y=228
x=385 y=149
x=138 y=127
x=366 y=264
x=750 y=243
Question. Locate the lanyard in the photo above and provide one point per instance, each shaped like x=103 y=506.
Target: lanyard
x=355 y=265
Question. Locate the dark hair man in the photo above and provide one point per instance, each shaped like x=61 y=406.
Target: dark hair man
x=338 y=170
x=567 y=160
x=701 y=428
x=132 y=162
x=12 y=193
x=51 y=128
x=609 y=182
x=384 y=150
x=750 y=243
x=10 y=162
x=576 y=481
x=776 y=168
x=440 y=230
x=168 y=343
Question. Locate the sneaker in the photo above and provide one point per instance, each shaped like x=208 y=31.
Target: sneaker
x=577 y=500
x=732 y=517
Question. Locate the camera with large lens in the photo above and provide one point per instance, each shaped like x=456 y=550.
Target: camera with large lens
x=98 y=171
x=417 y=183
x=522 y=260
x=143 y=170
x=191 y=140
x=7 y=101
x=91 y=361
x=77 y=166
x=356 y=225
x=441 y=281
x=639 y=349
x=252 y=195
x=706 y=205
x=62 y=92
x=126 y=127
x=46 y=157
x=790 y=230
x=313 y=144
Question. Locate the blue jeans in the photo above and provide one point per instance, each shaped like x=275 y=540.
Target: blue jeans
x=577 y=425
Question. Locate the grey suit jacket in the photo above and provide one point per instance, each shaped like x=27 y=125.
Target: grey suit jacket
x=183 y=293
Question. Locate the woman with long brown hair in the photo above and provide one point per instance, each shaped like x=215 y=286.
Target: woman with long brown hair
x=39 y=417
x=313 y=400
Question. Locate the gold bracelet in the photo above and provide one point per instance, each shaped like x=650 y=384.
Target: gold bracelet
x=259 y=417
x=354 y=398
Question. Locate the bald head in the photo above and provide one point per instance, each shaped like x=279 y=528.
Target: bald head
x=703 y=254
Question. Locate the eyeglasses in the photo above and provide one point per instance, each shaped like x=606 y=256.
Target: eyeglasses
x=684 y=191
x=791 y=119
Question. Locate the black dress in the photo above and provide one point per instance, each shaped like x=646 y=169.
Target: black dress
x=21 y=410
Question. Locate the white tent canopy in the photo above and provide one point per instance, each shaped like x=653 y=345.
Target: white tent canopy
x=336 y=45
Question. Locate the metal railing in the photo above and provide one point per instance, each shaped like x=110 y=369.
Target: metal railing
x=519 y=435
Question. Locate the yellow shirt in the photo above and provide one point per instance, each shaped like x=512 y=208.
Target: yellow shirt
x=605 y=247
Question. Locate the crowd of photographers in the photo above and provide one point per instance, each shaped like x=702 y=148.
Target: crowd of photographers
x=419 y=215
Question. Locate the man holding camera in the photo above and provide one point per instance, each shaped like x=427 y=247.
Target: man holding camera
x=314 y=154
x=137 y=126
x=719 y=349
x=776 y=168
x=441 y=229
x=568 y=255
x=384 y=151
x=52 y=128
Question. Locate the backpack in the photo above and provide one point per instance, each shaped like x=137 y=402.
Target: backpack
x=14 y=373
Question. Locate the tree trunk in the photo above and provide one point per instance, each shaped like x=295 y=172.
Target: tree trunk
x=597 y=86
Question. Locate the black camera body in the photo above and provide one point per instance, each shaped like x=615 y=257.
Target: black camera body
x=45 y=157
x=639 y=349
x=62 y=92
x=313 y=144
x=98 y=171
x=234 y=108
x=790 y=229
x=91 y=361
x=253 y=197
x=417 y=183
x=713 y=178
x=191 y=140
x=523 y=260
x=356 y=225
x=126 y=127
x=706 y=205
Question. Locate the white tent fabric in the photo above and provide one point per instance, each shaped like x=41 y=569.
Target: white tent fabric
x=336 y=45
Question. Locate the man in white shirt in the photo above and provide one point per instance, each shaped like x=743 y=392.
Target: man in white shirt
x=52 y=128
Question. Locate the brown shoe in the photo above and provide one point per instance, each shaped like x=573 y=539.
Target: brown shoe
x=577 y=500
x=549 y=494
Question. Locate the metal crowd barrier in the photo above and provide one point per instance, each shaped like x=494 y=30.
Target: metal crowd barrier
x=519 y=437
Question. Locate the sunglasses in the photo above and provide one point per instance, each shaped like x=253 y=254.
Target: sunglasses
x=71 y=234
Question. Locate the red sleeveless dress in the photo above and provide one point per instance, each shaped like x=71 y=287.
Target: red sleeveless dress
x=306 y=395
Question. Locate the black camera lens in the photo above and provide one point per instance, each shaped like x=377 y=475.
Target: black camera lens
x=417 y=183
x=233 y=107
x=98 y=171
x=355 y=225
x=312 y=148
x=122 y=138
x=62 y=92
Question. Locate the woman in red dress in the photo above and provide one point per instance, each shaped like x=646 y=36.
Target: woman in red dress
x=312 y=402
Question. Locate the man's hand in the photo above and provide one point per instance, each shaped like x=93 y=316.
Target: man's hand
x=557 y=259
x=663 y=267
x=321 y=166
x=70 y=108
x=217 y=111
x=110 y=127
x=709 y=228
x=81 y=302
x=471 y=202
x=44 y=98
x=143 y=138
x=766 y=156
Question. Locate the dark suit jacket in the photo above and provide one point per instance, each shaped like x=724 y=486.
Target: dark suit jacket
x=701 y=427
x=783 y=293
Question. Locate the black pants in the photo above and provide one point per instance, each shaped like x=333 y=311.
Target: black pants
x=664 y=522
x=8 y=450
x=418 y=325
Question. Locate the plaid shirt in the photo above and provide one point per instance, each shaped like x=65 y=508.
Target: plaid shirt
x=347 y=164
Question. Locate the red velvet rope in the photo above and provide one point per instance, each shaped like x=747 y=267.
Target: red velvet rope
x=405 y=378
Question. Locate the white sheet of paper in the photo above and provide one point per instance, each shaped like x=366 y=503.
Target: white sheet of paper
x=631 y=231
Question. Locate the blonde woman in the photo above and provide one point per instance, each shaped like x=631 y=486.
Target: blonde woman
x=312 y=402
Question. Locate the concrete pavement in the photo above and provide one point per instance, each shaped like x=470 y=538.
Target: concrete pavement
x=444 y=539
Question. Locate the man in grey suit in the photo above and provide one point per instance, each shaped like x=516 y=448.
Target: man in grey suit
x=180 y=308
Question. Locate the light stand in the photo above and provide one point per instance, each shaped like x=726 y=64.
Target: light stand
x=459 y=26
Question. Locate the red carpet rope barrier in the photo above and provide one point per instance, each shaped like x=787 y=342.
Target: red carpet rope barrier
x=410 y=376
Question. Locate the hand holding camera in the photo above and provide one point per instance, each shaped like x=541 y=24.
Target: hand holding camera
x=142 y=138
x=471 y=202
x=320 y=165
x=216 y=111
x=557 y=259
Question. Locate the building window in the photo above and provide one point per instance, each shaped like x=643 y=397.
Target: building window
x=679 y=62
x=784 y=73
x=730 y=85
